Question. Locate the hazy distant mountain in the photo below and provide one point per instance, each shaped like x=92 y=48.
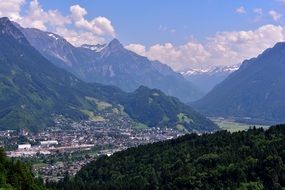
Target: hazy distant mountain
x=256 y=91
x=32 y=90
x=206 y=79
x=111 y=64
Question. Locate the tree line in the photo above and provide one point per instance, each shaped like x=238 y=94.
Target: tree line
x=16 y=175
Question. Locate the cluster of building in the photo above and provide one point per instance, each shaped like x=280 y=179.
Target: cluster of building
x=94 y=138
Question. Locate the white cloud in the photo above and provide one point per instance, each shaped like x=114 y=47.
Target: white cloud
x=99 y=25
x=241 y=10
x=11 y=8
x=138 y=48
x=36 y=17
x=274 y=15
x=180 y=58
x=104 y=25
x=73 y=26
x=225 y=48
x=77 y=12
x=79 y=38
x=55 y=18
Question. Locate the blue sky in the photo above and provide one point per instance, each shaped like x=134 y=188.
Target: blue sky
x=154 y=21
x=185 y=34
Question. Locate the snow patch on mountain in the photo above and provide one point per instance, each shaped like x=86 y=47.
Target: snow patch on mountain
x=96 y=48
x=211 y=70
x=53 y=36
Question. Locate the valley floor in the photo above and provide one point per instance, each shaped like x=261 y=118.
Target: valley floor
x=233 y=125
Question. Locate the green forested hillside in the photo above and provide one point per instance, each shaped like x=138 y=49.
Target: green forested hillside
x=15 y=175
x=253 y=159
x=155 y=109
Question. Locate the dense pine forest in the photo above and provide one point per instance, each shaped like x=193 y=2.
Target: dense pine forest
x=252 y=159
x=15 y=175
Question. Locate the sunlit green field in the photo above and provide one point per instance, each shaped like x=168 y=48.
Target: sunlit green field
x=233 y=126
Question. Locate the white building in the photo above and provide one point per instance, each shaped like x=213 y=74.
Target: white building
x=24 y=146
x=48 y=143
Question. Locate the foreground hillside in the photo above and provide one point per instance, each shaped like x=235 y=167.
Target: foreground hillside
x=256 y=91
x=33 y=91
x=251 y=159
x=15 y=175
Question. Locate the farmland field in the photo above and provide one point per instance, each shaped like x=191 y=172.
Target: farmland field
x=234 y=126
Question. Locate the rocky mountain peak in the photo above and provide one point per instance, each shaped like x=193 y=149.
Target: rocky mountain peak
x=115 y=44
x=7 y=28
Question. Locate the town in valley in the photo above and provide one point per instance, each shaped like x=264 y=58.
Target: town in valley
x=69 y=145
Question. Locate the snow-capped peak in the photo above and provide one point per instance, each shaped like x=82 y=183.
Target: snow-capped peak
x=211 y=70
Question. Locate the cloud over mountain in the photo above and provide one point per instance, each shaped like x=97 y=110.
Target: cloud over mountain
x=73 y=26
x=224 y=48
x=11 y=8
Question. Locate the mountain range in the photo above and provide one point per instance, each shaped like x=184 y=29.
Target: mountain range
x=255 y=92
x=33 y=90
x=111 y=64
x=207 y=79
